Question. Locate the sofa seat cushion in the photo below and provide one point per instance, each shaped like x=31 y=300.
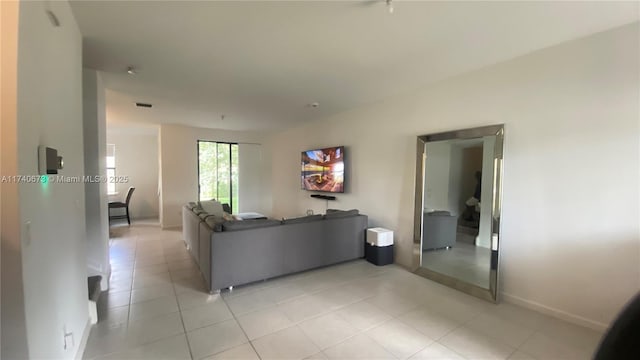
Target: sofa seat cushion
x=248 y=224
x=302 y=220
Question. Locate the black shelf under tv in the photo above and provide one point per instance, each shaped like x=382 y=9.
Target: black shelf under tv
x=324 y=197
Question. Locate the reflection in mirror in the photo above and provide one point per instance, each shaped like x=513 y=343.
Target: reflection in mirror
x=456 y=238
x=457 y=204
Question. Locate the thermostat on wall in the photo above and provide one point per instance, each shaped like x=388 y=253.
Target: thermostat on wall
x=48 y=160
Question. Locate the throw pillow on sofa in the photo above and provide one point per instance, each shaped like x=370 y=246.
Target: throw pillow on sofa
x=212 y=207
x=191 y=205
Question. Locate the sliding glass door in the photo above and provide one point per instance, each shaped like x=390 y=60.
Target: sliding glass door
x=218 y=172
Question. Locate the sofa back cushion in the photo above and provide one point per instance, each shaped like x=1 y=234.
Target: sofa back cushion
x=336 y=214
x=248 y=224
x=303 y=219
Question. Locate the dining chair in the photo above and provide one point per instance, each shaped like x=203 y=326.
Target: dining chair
x=121 y=205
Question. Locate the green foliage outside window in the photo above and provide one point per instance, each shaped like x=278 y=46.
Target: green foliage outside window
x=218 y=172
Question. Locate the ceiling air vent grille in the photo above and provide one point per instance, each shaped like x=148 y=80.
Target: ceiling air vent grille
x=144 y=105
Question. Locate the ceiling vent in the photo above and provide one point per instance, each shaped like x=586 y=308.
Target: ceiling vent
x=144 y=105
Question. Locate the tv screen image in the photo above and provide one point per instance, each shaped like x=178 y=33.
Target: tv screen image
x=323 y=170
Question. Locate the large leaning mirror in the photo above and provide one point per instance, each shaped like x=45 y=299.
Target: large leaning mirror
x=457 y=209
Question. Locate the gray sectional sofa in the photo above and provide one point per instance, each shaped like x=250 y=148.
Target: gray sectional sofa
x=439 y=230
x=231 y=253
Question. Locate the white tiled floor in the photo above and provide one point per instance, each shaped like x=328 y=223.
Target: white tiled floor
x=158 y=309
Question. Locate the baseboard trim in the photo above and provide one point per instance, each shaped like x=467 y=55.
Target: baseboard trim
x=83 y=341
x=563 y=315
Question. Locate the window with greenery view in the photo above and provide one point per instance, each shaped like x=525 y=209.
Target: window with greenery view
x=218 y=172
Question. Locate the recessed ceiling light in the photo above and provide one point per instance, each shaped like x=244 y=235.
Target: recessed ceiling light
x=144 y=105
x=313 y=105
x=131 y=70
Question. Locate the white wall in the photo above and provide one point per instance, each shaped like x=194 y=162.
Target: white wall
x=95 y=152
x=179 y=169
x=14 y=333
x=137 y=158
x=53 y=246
x=570 y=233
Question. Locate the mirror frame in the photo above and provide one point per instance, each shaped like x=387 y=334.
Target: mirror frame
x=491 y=294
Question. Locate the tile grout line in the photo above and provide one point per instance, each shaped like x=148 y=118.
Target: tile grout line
x=450 y=349
x=524 y=342
x=135 y=255
x=130 y=304
x=298 y=297
x=241 y=328
x=126 y=328
x=175 y=294
x=333 y=311
x=179 y=311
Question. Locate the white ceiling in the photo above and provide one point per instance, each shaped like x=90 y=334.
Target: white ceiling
x=259 y=63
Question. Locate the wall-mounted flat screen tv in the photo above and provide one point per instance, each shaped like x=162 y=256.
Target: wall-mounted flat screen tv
x=323 y=170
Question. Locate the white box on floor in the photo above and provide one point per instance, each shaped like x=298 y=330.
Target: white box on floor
x=380 y=236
